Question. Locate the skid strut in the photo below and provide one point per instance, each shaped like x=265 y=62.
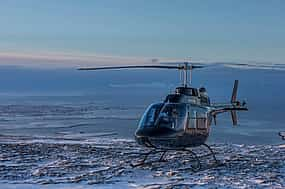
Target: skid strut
x=146 y=155
x=154 y=151
x=211 y=151
x=161 y=159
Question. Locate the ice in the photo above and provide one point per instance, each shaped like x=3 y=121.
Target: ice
x=105 y=163
x=19 y=116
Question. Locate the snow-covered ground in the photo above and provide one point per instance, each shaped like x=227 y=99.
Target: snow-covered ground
x=104 y=162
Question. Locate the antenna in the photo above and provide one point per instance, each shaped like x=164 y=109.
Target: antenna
x=190 y=79
x=185 y=74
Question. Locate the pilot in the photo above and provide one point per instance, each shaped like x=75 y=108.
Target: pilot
x=202 y=90
x=169 y=117
x=174 y=118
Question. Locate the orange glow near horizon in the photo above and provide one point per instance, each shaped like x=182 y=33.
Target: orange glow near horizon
x=65 y=60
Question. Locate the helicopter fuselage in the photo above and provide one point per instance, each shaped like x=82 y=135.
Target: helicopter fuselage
x=182 y=120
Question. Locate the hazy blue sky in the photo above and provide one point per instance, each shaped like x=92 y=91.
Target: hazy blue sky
x=212 y=30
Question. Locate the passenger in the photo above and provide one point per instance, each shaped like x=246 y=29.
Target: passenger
x=204 y=95
x=282 y=134
x=174 y=118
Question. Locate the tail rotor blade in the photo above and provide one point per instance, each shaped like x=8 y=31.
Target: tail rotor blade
x=234 y=117
x=234 y=94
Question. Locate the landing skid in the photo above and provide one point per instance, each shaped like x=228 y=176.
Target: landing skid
x=211 y=152
x=197 y=166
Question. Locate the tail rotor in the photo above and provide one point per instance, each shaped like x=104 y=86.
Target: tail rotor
x=234 y=102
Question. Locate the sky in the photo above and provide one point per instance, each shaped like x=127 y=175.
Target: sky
x=69 y=32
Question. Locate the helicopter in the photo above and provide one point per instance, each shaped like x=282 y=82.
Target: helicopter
x=182 y=120
x=282 y=135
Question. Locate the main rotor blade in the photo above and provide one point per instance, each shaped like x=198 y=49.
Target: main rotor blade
x=132 y=67
x=189 y=65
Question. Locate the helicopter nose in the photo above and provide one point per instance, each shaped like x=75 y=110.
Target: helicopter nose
x=144 y=134
x=153 y=132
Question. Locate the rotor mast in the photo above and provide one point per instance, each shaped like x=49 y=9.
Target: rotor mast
x=187 y=77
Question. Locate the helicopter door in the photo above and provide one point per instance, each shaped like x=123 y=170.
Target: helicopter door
x=197 y=119
x=201 y=123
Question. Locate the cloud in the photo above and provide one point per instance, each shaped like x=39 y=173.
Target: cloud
x=77 y=60
x=257 y=66
x=67 y=60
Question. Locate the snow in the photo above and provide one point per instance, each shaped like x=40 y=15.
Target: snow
x=105 y=163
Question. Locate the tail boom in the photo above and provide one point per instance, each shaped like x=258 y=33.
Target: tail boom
x=232 y=107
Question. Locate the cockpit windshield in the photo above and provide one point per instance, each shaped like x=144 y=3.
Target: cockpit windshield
x=150 y=115
x=172 y=115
